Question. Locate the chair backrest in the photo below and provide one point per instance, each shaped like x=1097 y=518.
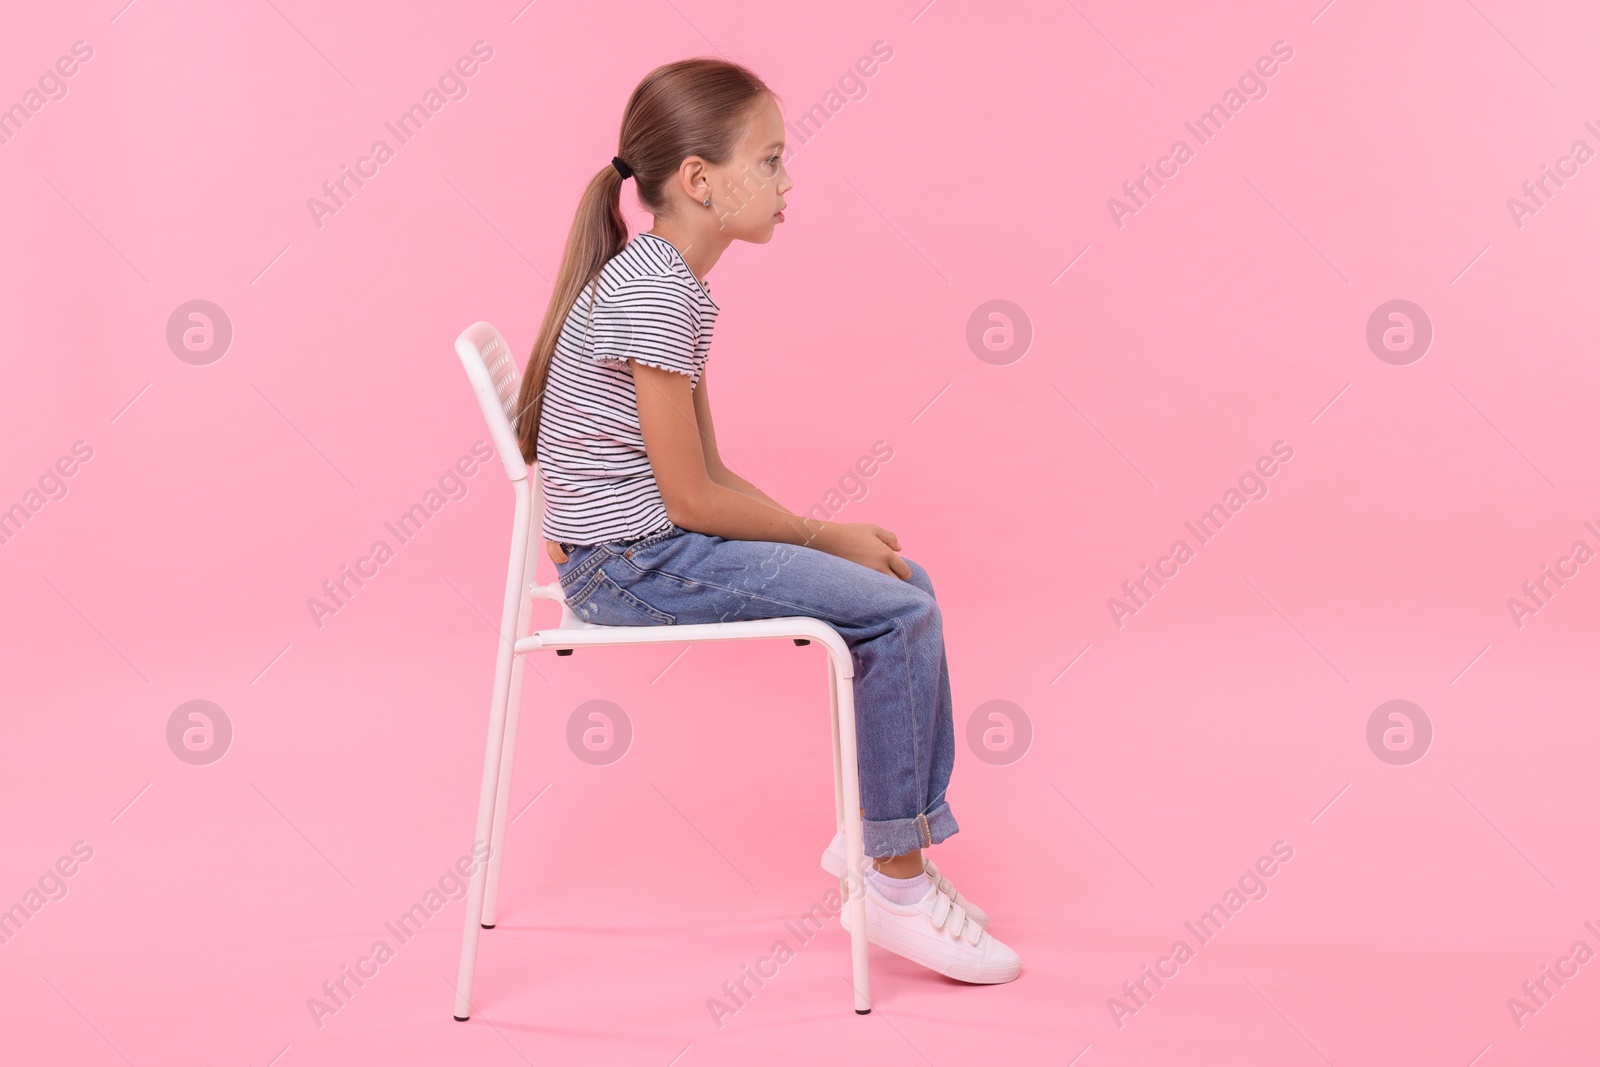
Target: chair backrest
x=493 y=374
x=496 y=383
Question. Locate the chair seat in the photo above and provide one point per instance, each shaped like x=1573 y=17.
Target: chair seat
x=575 y=633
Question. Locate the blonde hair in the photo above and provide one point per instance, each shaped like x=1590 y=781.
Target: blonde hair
x=694 y=107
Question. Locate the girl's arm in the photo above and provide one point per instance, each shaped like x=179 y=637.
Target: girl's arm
x=723 y=476
x=677 y=447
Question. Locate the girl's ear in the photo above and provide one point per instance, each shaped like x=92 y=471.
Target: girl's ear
x=694 y=178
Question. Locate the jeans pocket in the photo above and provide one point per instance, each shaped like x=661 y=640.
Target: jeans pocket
x=604 y=602
x=571 y=571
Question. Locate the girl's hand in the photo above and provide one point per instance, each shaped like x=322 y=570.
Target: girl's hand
x=867 y=544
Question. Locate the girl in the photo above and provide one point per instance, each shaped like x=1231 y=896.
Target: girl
x=647 y=526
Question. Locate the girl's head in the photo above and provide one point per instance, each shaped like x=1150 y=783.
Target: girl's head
x=695 y=130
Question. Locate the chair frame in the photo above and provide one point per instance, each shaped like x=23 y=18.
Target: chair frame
x=495 y=382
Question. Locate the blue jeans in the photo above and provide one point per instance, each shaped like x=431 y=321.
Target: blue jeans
x=905 y=731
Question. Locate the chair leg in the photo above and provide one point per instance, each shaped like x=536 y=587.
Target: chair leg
x=833 y=717
x=856 y=892
x=480 y=871
x=502 y=804
x=493 y=753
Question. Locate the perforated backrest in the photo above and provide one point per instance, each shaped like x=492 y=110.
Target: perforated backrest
x=495 y=381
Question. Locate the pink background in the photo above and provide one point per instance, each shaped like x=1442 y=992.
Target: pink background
x=1230 y=713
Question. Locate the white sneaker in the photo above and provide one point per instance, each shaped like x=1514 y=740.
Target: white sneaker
x=833 y=863
x=939 y=935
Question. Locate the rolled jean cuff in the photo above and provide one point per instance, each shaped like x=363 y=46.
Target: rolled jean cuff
x=881 y=839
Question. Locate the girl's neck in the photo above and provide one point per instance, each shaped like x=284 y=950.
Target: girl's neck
x=699 y=251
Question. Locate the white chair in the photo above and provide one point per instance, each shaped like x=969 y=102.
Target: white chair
x=493 y=374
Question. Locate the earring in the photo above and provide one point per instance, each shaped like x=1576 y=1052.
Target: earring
x=706 y=201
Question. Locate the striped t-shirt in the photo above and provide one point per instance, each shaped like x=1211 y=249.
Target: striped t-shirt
x=649 y=307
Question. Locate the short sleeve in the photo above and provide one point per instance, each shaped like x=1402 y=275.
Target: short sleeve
x=651 y=319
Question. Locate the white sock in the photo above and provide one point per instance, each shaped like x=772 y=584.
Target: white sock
x=901 y=890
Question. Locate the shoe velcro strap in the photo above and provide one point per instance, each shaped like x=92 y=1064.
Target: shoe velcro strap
x=938 y=879
x=961 y=924
x=942 y=907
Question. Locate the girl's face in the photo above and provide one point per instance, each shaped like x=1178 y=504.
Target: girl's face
x=752 y=185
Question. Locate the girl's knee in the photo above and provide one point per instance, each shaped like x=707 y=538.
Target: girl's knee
x=921 y=608
x=919 y=575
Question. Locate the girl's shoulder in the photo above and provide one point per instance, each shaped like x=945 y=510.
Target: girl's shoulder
x=652 y=267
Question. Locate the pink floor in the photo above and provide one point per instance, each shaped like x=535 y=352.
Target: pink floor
x=1433 y=900
x=1417 y=899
